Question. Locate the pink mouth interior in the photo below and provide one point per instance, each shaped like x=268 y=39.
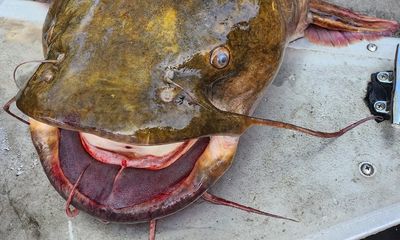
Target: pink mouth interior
x=147 y=157
x=120 y=186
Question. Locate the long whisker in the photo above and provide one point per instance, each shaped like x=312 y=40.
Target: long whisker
x=6 y=108
x=74 y=212
x=152 y=234
x=276 y=124
x=223 y=202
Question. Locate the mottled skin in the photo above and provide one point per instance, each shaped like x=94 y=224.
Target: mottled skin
x=117 y=54
x=120 y=54
x=117 y=58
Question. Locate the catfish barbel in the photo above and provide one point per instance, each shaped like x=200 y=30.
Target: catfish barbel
x=138 y=107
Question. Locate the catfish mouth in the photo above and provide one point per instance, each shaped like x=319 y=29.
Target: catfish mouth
x=127 y=155
x=126 y=183
x=113 y=180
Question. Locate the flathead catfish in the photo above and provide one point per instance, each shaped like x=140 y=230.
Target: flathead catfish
x=138 y=108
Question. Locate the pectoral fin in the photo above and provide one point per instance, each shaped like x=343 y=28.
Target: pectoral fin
x=337 y=26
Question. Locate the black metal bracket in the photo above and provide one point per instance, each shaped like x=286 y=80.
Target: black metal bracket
x=383 y=94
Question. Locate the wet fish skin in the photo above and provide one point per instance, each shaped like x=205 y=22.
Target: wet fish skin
x=117 y=55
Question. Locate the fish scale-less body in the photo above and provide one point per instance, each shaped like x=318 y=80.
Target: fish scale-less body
x=118 y=54
x=180 y=76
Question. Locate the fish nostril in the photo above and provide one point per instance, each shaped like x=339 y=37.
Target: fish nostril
x=47 y=76
x=168 y=94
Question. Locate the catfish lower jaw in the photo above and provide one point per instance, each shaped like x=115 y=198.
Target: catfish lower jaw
x=128 y=195
x=147 y=157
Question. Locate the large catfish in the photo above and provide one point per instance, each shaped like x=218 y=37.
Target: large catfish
x=138 y=107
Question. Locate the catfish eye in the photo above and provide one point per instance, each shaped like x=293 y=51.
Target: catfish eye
x=220 y=57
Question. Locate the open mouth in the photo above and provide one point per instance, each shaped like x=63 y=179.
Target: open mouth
x=121 y=186
x=127 y=183
x=147 y=157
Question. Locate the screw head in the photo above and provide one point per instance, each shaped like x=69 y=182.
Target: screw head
x=384 y=77
x=367 y=169
x=380 y=106
x=372 y=47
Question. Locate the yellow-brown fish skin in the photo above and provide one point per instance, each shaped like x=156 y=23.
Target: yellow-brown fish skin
x=105 y=76
x=117 y=56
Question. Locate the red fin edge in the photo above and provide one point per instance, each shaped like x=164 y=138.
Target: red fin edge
x=336 y=26
x=334 y=38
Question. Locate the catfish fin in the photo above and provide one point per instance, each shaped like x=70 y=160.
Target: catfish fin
x=334 y=38
x=337 y=26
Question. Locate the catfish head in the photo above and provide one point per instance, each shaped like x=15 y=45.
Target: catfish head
x=140 y=109
x=142 y=74
x=154 y=88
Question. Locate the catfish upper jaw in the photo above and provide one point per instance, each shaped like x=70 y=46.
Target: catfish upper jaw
x=128 y=155
x=107 y=87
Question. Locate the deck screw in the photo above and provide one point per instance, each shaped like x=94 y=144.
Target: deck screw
x=384 y=77
x=372 y=47
x=367 y=169
x=380 y=106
